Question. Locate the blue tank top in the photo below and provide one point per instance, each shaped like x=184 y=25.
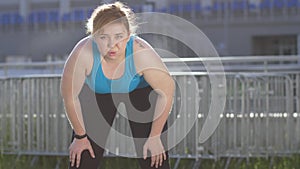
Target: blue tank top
x=128 y=82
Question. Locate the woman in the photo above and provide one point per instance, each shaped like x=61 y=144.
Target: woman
x=115 y=62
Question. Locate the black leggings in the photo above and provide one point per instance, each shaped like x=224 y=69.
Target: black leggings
x=140 y=104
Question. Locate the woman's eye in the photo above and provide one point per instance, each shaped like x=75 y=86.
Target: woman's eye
x=119 y=37
x=102 y=37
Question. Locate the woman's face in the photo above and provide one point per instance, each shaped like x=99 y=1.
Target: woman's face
x=111 y=40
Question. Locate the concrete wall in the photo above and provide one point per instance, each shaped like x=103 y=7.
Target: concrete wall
x=240 y=35
x=234 y=38
x=38 y=44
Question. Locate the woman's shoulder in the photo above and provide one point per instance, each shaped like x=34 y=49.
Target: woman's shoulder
x=82 y=53
x=84 y=44
x=82 y=49
x=145 y=56
x=140 y=44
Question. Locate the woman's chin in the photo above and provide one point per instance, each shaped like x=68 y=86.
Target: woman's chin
x=111 y=57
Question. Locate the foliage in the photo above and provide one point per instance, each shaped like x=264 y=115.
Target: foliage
x=58 y=162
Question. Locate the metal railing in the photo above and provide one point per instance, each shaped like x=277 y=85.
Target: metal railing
x=236 y=63
x=32 y=116
x=30 y=68
x=261 y=117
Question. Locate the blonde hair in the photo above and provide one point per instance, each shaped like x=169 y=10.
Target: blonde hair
x=108 y=13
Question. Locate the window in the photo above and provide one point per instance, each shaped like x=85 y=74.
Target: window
x=275 y=45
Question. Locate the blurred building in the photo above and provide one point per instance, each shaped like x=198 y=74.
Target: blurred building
x=36 y=29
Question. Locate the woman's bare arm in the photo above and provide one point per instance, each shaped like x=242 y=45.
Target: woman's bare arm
x=76 y=68
x=149 y=64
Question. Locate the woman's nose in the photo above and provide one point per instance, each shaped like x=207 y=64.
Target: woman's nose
x=111 y=43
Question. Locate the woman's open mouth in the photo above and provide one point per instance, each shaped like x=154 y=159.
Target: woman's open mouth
x=112 y=53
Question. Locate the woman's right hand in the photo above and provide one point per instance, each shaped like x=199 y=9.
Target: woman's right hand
x=77 y=147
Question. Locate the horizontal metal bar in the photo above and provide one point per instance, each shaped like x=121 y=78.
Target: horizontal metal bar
x=243 y=59
x=233 y=59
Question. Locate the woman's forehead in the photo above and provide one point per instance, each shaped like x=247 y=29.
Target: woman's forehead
x=113 y=28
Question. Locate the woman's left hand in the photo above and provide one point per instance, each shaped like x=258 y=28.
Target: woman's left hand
x=158 y=155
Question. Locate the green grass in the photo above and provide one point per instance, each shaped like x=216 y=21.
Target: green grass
x=51 y=162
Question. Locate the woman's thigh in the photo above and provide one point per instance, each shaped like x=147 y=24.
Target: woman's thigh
x=140 y=111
